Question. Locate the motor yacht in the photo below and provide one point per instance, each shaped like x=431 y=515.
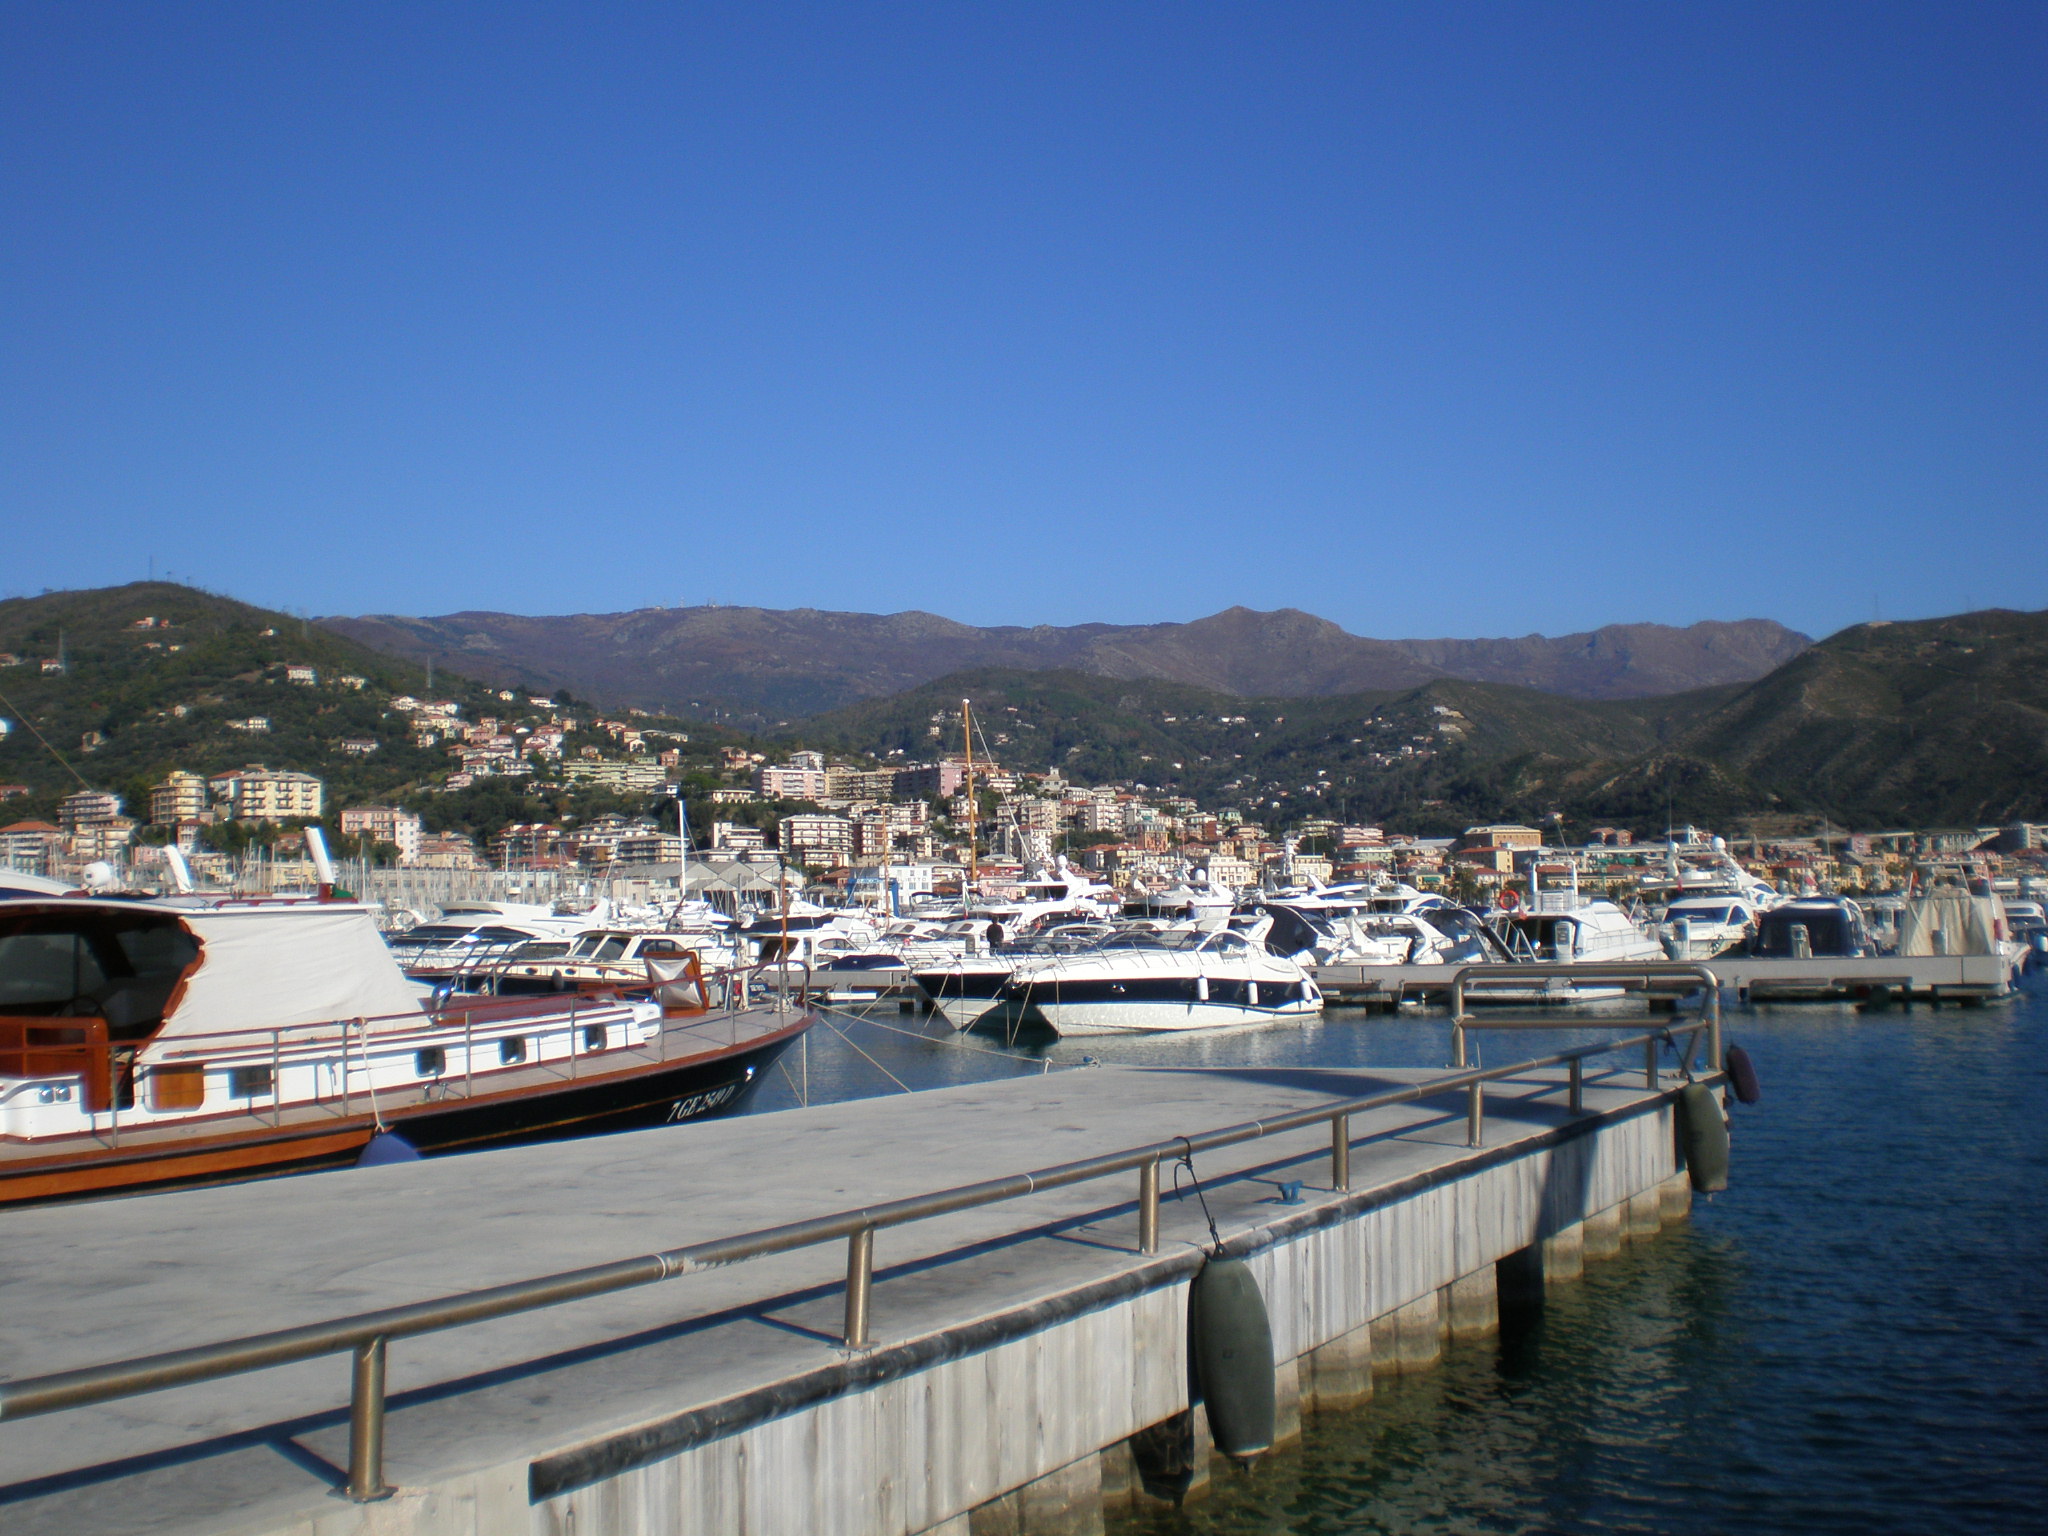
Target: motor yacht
x=1142 y=980
x=1555 y=922
x=186 y=1040
x=1701 y=927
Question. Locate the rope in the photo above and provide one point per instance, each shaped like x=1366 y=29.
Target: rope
x=864 y=1055
x=1187 y=1161
x=956 y=1043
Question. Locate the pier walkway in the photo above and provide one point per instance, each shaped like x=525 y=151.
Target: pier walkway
x=1015 y=1348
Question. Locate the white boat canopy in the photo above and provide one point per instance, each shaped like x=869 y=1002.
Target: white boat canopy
x=280 y=967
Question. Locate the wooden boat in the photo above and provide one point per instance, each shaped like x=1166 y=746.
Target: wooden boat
x=147 y=1043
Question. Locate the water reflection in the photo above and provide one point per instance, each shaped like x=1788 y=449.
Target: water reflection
x=1851 y=1339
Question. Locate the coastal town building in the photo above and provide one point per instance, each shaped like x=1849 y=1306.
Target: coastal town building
x=264 y=794
x=182 y=797
x=403 y=830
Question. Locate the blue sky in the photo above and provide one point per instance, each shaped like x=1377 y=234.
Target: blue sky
x=1433 y=319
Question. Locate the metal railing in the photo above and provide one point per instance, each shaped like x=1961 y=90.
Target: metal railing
x=1646 y=974
x=366 y=1336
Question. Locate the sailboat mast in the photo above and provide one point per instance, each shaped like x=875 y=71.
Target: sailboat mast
x=973 y=864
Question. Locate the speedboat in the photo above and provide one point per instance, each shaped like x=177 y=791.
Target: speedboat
x=184 y=1040
x=963 y=986
x=1143 y=981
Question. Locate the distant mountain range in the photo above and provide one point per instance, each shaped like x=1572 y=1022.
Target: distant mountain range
x=764 y=665
x=1935 y=722
x=1932 y=722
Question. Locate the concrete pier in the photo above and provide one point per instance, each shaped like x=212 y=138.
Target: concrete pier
x=1028 y=1364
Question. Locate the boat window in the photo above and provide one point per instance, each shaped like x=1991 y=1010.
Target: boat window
x=1153 y=940
x=431 y=1062
x=46 y=971
x=614 y=945
x=500 y=935
x=512 y=1050
x=662 y=947
x=1224 y=940
x=541 y=949
x=118 y=965
x=248 y=1082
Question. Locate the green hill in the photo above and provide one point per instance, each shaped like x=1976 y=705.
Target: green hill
x=1933 y=722
x=134 y=702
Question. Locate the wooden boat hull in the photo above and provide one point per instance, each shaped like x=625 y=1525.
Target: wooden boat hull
x=646 y=1095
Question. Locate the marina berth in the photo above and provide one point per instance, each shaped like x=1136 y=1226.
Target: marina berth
x=145 y=1043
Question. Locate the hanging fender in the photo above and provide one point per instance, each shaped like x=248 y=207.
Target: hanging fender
x=1742 y=1075
x=1704 y=1134
x=1232 y=1343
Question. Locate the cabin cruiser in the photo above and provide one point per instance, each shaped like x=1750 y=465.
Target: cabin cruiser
x=965 y=986
x=1199 y=906
x=1809 y=927
x=601 y=960
x=1141 y=980
x=150 y=1042
x=1555 y=923
x=460 y=953
x=1701 y=927
x=1438 y=933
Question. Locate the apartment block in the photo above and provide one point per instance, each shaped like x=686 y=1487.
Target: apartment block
x=182 y=797
x=386 y=824
x=257 y=793
x=791 y=781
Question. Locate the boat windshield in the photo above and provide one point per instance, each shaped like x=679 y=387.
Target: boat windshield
x=431 y=936
x=1174 y=939
x=1701 y=914
x=120 y=966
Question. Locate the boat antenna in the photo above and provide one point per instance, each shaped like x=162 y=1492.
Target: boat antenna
x=973 y=864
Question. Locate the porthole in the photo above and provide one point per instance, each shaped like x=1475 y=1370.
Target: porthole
x=431 y=1062
x=512 y=1050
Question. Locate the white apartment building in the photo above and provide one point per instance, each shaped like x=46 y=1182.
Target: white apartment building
x=817 y=842
x=257 y=793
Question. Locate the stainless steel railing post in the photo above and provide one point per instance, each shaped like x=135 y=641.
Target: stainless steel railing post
x=366 y=1425
x=860 y=1282
x=1148 y=1206
x=1458 y=1040
x=1475 y=1114
x=1340 y=1152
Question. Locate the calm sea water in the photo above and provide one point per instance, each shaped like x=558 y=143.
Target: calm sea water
x=1853 y=1338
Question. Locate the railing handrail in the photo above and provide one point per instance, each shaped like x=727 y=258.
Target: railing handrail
x=367 y=1331
x=1599 y=970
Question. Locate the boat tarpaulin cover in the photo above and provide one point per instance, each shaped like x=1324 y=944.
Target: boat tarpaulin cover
x=1968 y=925
x=281 y=967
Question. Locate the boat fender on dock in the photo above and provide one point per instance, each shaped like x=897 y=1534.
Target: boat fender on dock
x=387 y=1147
x=1704 y=1133
x=1232 y=1342
x=1742 y=1075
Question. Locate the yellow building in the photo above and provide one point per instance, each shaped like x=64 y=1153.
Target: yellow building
x=257 y=793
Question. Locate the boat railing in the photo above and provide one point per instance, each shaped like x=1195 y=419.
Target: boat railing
x=366 y=1337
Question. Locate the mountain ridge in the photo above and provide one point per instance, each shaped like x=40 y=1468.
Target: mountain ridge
x=762 y=666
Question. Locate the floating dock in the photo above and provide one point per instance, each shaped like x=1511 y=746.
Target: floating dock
x=1929 y=978
x=1025 y=1363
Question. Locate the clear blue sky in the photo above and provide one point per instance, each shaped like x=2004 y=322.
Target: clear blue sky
x=1430 y=318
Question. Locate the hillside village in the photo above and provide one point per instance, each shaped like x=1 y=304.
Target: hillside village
x=225 y=731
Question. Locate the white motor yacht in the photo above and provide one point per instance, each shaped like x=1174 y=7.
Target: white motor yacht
x=1701 y=927
x=1555 y=922
x=1145 y=981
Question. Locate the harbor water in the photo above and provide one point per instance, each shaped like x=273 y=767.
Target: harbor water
x=1853 y=1338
